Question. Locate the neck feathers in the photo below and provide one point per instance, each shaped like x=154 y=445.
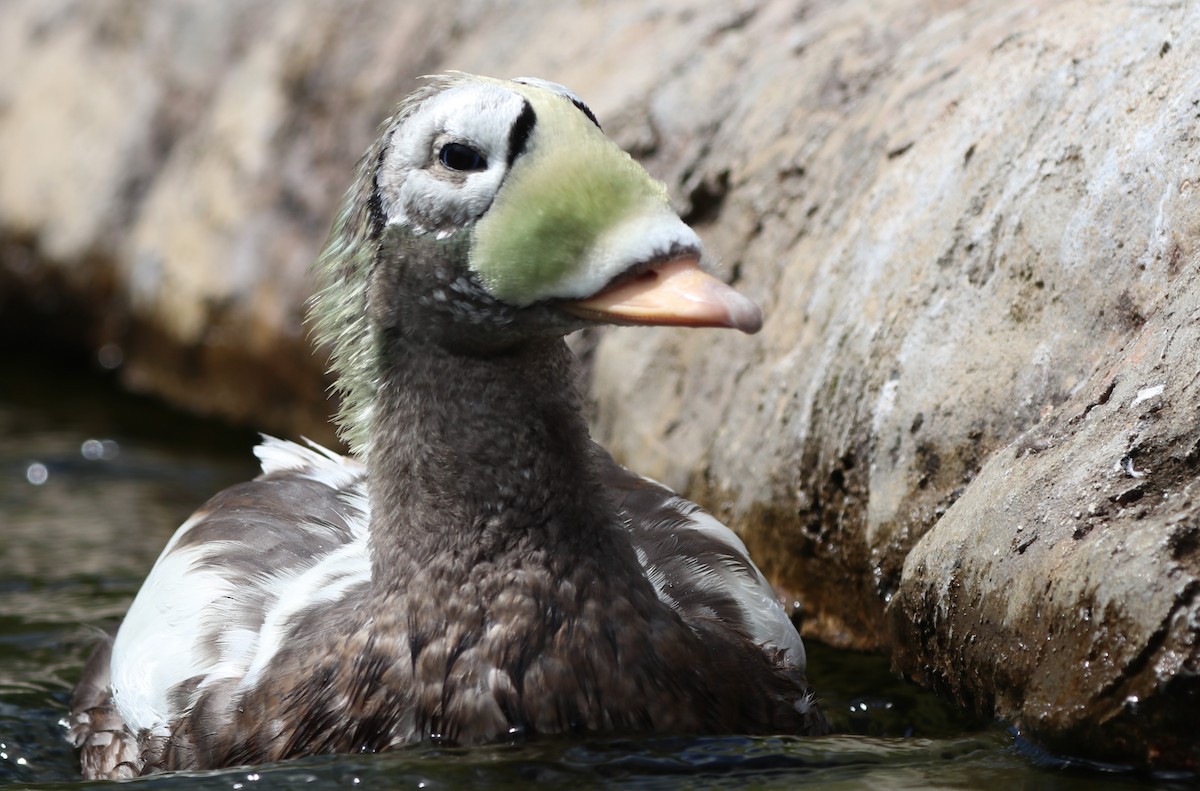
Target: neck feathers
x=482 y=455
x=338 y=311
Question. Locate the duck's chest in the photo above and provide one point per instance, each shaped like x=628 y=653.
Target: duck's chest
x=500 y=653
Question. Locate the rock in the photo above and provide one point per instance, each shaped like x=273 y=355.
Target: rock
x=962 y=233
x=972 y=225
x=1062 y=590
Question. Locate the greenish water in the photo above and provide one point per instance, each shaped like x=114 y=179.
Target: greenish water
x=92 y=484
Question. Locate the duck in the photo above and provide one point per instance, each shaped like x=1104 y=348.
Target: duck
x=476 y=569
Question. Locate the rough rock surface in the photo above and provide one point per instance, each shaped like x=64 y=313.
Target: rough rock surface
x=973 y=226
x=1065 y=583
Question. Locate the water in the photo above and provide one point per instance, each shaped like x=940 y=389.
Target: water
x=92 y=484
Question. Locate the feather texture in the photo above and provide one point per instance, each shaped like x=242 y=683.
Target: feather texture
x=237 y=580
x=216 y=604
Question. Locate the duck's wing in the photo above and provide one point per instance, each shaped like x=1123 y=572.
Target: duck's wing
x=218 y=601
x=698 y=566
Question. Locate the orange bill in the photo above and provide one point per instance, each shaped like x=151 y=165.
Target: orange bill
x=678 y=293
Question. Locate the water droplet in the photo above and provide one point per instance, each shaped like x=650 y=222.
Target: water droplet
x=36 y=473
x=110 y=356
x=99 y=449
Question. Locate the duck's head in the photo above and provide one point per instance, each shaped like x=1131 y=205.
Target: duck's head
x=490 y=212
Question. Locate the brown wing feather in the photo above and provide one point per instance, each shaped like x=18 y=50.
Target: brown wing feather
x=107 y=748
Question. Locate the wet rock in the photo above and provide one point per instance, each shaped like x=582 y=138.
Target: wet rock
x=972 y=225
x=1062 y=590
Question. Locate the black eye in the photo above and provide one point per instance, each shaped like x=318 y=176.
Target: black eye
x=457 y=156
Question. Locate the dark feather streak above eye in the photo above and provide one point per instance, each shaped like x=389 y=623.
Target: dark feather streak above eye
x=519 y=135
x=583 y=108
x=459 y=156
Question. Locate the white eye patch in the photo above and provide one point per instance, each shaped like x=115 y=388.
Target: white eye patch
x=417 y=189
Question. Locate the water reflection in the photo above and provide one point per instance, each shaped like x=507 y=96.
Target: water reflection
x=94 y=485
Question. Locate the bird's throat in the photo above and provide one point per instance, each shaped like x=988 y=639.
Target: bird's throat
x=480 y=456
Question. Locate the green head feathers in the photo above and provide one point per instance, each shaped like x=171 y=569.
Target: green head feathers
x=549 y=231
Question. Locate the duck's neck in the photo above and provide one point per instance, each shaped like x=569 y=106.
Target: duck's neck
x=477 y=457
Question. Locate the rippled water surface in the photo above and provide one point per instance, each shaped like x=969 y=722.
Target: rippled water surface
x=92 y=484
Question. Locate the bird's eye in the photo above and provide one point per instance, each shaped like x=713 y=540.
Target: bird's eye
x=457 y=156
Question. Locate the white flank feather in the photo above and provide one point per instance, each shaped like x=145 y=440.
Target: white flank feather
x=177 y=616
x=155 y=648
x=767 y=619
x=322 y=584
